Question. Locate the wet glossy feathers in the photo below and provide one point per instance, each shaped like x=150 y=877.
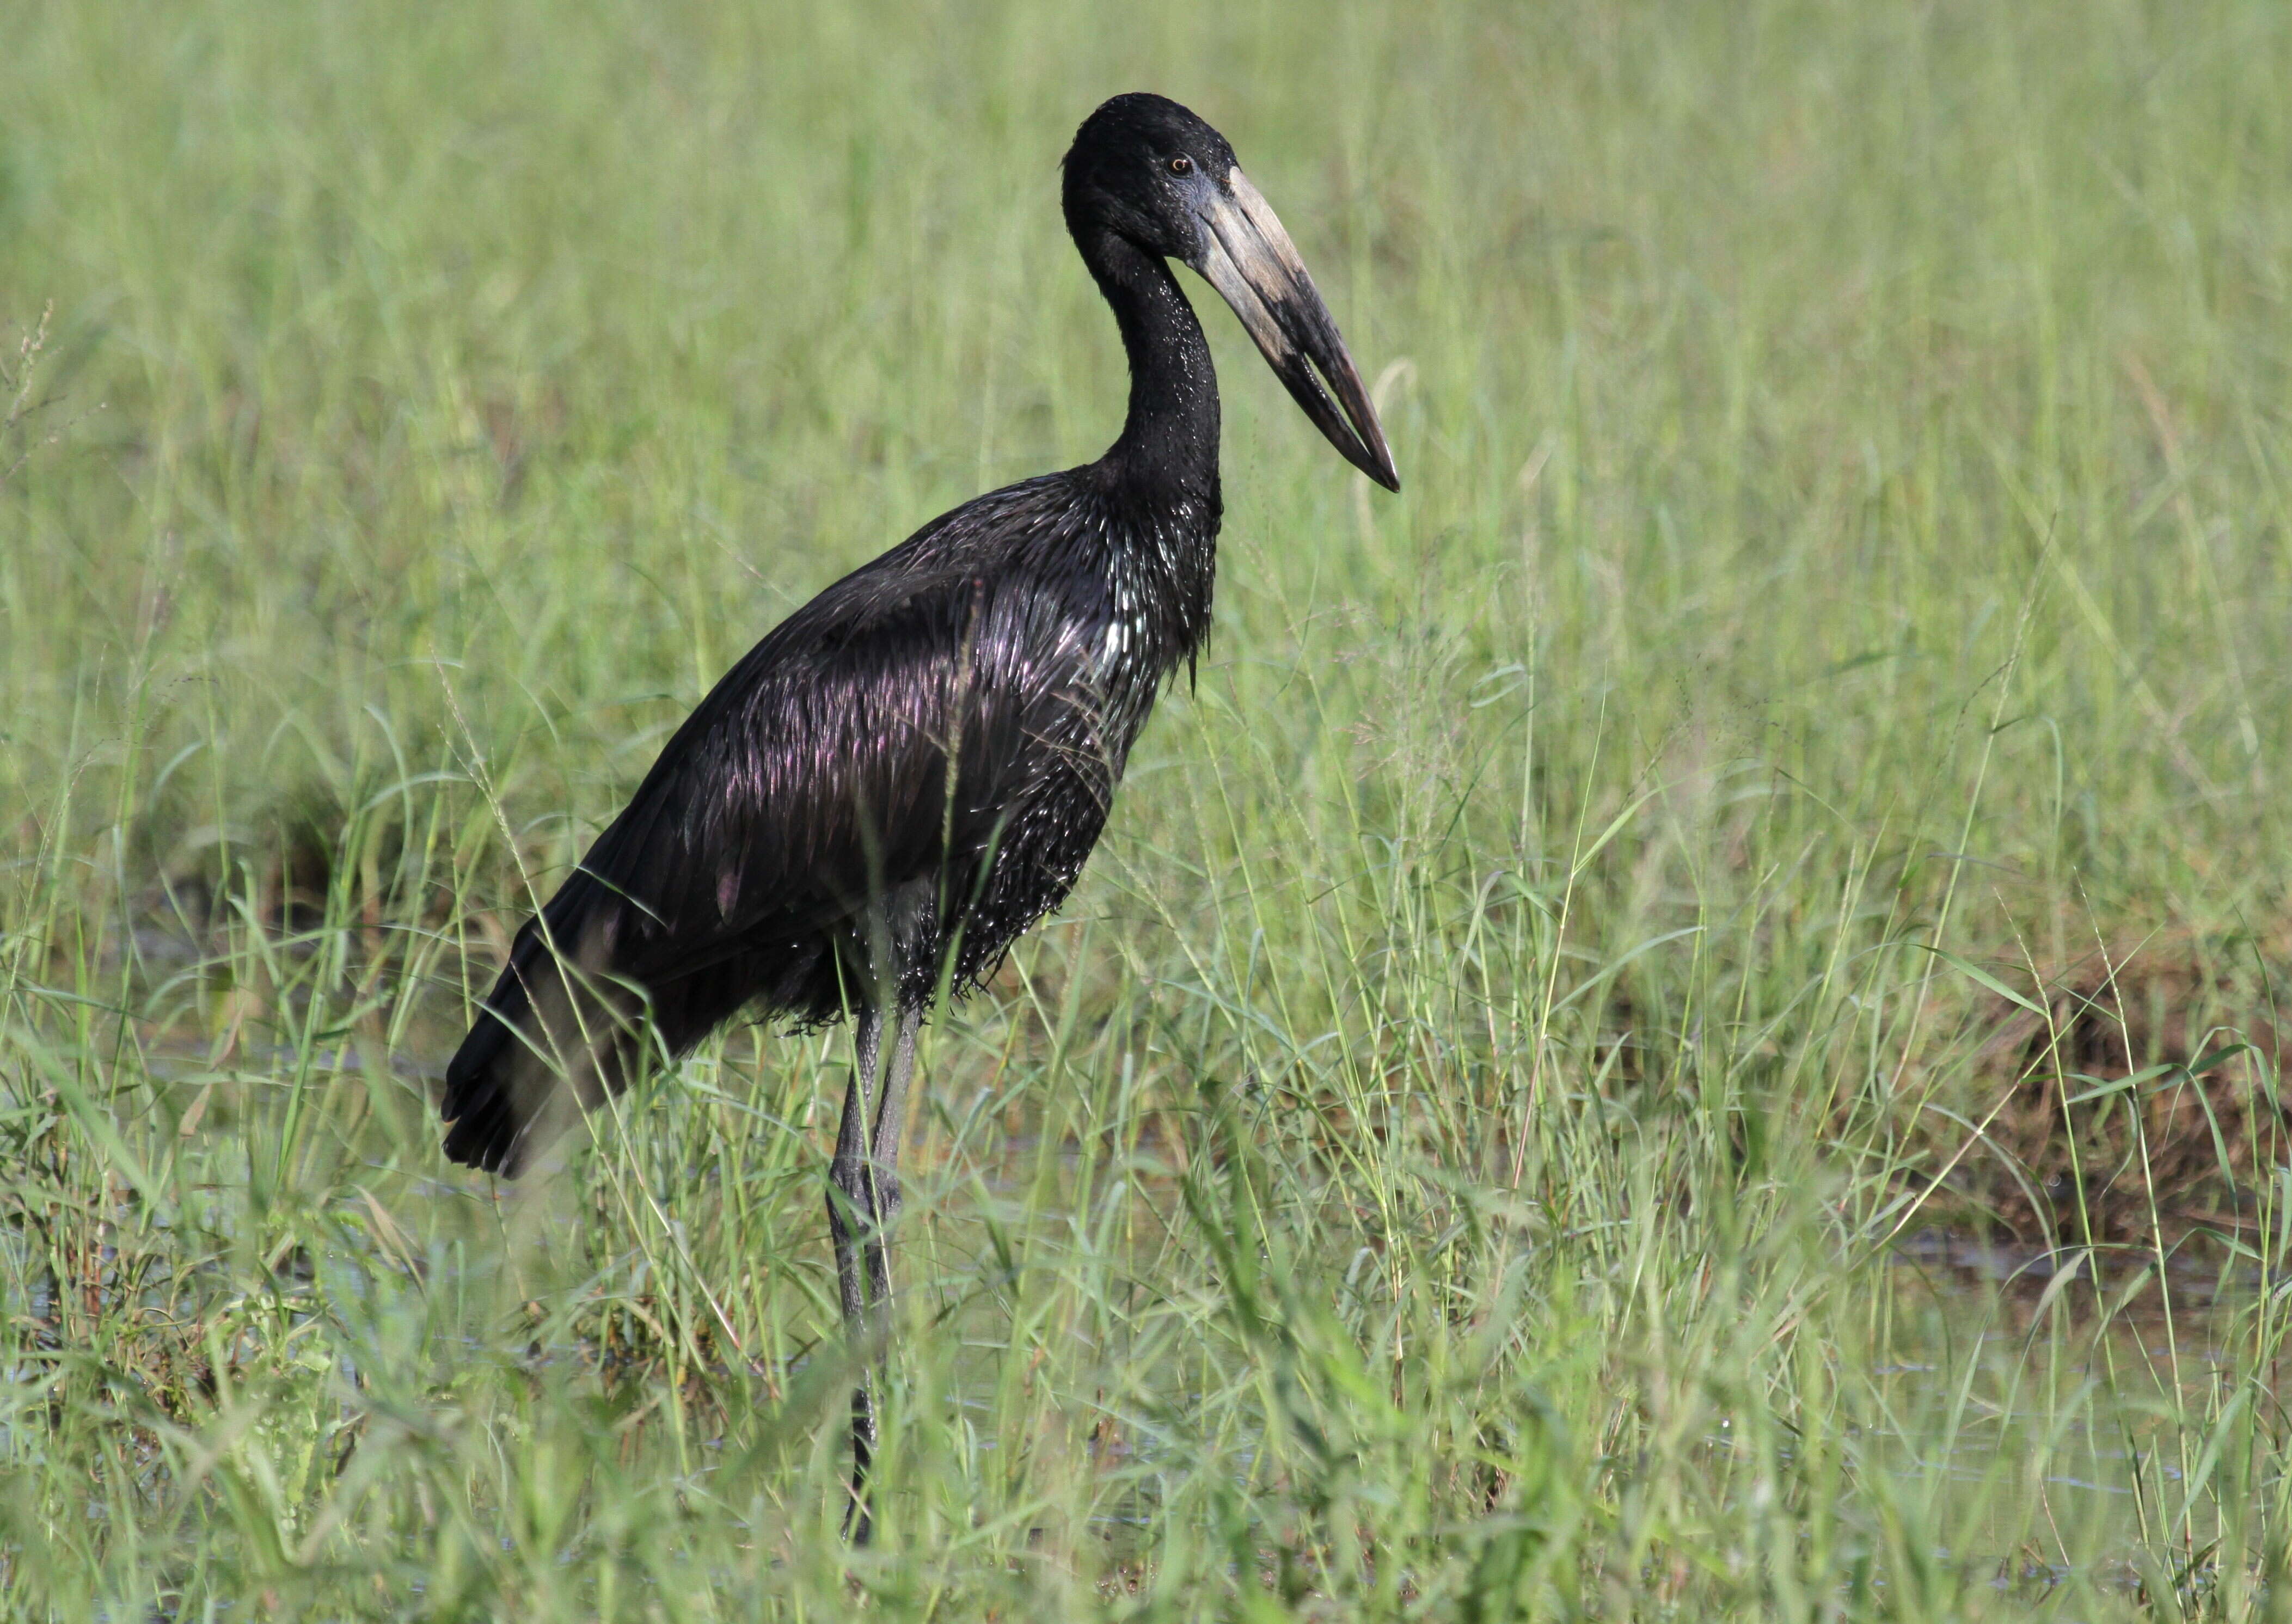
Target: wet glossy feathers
x=936 y=736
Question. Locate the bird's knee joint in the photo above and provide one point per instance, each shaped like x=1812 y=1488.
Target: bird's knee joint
x=847 y=1192
x=862 y=1194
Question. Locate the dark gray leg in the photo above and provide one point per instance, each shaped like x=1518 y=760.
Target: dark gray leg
x=883 y=1165
x=850 y=1188
x=862 y=1199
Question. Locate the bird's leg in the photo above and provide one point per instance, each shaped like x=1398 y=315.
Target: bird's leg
x=862 y=1199
x=884 y=1165
x=852 y=1222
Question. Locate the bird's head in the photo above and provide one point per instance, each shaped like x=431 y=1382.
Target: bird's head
x=1148 y=170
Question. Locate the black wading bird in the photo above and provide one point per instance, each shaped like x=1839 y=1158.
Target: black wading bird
x=910 y=770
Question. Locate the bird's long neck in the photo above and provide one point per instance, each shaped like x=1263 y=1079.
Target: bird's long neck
x=1170 y=439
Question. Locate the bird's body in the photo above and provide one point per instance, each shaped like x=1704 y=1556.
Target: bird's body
x=942 y=729
x=912 y=768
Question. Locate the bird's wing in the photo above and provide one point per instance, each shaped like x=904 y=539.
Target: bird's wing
x=820 y=772
x=890 y=723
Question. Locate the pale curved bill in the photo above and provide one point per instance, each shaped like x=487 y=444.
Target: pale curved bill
x=1257 y=269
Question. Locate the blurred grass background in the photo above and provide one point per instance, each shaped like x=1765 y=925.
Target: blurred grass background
x=1796 y=775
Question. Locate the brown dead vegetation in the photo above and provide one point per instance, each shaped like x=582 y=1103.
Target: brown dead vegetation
x=2143 y=1102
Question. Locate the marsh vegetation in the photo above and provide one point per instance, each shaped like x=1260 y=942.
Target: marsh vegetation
x=1680 y=1021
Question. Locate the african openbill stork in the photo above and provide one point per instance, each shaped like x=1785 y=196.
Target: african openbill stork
x=911 y=768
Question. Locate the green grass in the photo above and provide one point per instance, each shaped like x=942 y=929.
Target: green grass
x=1452 y=1157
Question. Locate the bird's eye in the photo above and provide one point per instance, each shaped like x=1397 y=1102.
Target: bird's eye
x=1182 y=165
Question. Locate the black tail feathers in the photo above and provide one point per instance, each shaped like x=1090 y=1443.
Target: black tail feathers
x=562 y=1031
x=554 y=1038
x=481 y=1127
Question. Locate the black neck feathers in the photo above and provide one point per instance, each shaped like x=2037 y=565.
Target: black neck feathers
x=1170 y=439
